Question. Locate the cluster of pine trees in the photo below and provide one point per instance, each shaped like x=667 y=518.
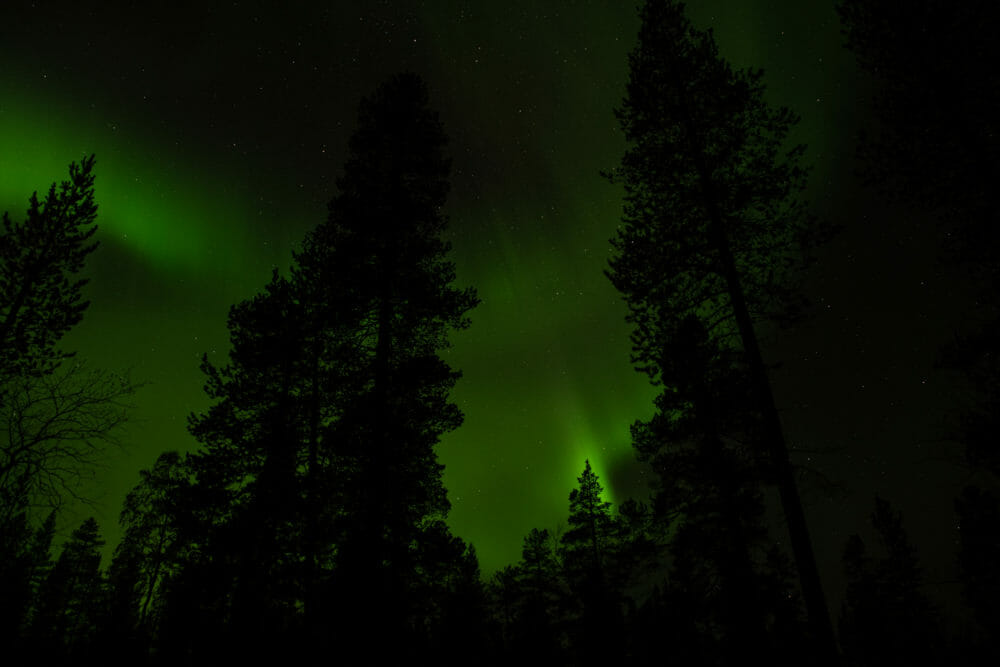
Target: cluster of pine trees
x=309 y=526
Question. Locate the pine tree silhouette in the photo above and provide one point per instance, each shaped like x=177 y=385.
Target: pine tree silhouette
x=590 y=551
x=25 y=562
x=71 y=600
x=713 y=228
x=384 y=267
x=39 y=298
x=886 y=618
x=319 y=495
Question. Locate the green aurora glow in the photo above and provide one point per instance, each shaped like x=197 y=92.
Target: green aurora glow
x=529 y=413
x=190 y=225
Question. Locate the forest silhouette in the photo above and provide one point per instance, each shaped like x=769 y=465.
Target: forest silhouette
x=310 y=525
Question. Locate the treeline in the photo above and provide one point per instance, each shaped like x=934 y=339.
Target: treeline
x=627 y=585
x=309 y=525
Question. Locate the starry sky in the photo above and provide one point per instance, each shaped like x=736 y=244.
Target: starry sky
x=219 y=129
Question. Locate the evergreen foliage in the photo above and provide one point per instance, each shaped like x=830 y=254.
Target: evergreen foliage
x=24 y=564
x=589 y=553
x=713 y=234
x=705 y=167
x=386 y=272
x=319 y=495
x=571 y=598
x=310 y=524
x=148 y=554
x=707 y=494
x=40 y=296
x=70 y=607
x=886 y=618
x=54 y=421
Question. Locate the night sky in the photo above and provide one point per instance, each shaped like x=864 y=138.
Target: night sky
x=219 y=129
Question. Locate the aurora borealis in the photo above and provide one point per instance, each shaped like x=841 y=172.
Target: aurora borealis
x=218 y=133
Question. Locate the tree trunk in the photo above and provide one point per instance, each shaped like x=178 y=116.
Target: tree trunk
x=798 y=530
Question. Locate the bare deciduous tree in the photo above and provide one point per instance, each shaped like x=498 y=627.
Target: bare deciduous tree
x=56 y=430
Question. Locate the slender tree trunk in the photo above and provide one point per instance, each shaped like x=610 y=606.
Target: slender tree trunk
x=798 y=529
x=791 y=503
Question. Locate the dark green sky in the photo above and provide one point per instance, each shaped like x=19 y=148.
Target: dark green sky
x=219 y=131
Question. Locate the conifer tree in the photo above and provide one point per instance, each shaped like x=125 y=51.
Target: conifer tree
x=886 y=618
x=707 y=491
x=386 y=283
x=25 y=562
x=589 y=553
x=449 y=590
x=502 y=600
x=15 y=576
x=54 y=421
x=588 y=542
x=248 y=525
x=149 y=551
x=71 y=601
x=40 y=296
x=713 y=229
x=320 y=494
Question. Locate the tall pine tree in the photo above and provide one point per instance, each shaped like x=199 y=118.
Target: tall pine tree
x=387 y=278
x=708 y=492
x=713 y=229
x=320 y=494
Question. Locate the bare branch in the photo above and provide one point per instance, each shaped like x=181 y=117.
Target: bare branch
x=55 y=432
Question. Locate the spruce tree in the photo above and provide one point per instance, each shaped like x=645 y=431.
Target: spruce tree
x=588 y=542
x=589 y=553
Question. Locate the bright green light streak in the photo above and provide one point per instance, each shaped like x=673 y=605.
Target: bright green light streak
x=584 y=443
